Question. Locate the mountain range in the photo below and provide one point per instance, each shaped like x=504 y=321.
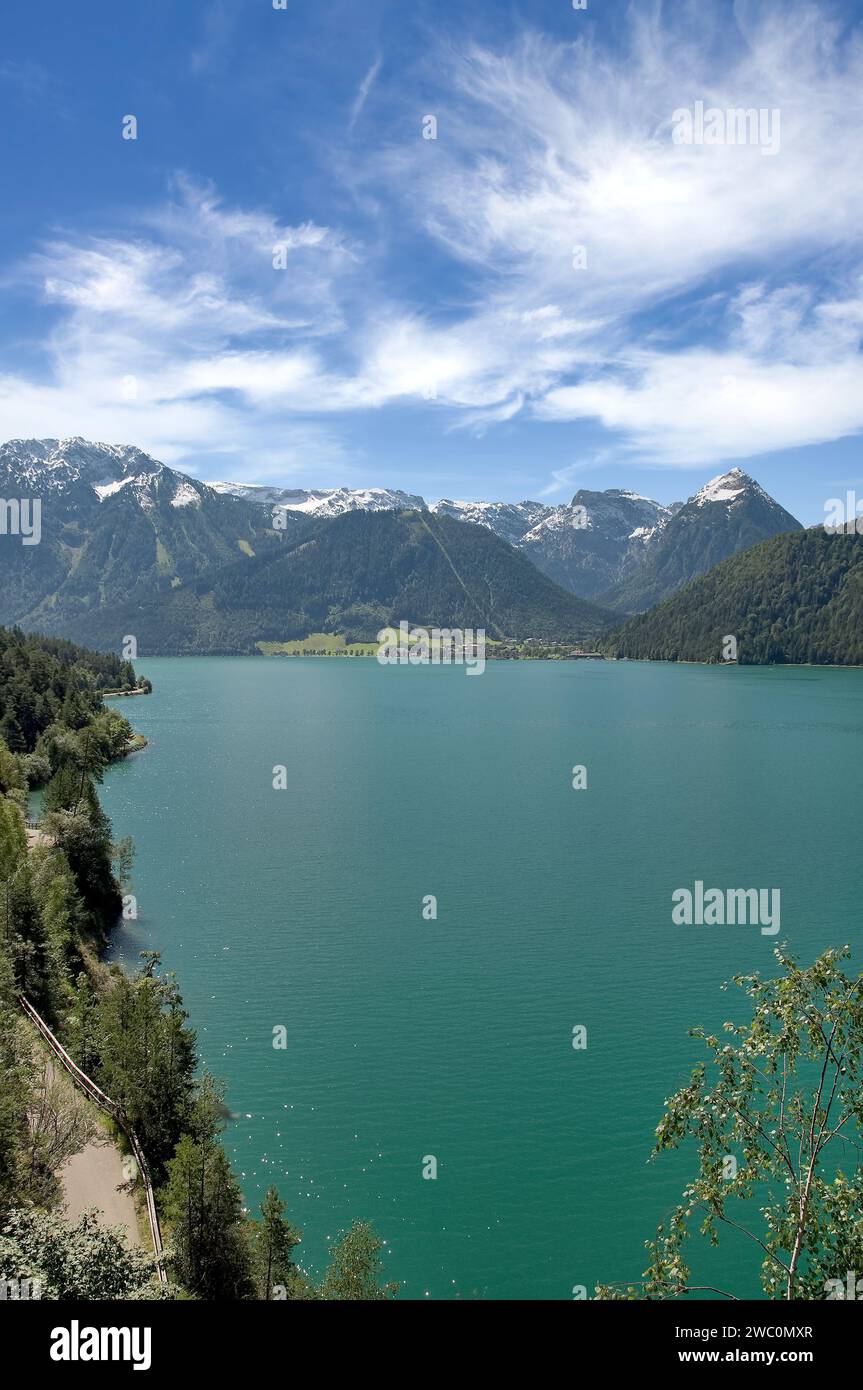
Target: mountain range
x=130 y=545
x=117 y=528
x=620 y=549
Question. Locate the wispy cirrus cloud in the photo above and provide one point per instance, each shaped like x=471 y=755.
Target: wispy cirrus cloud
x=185 y=337
x=718 y=314
x=28 y=77
x=363 y=91
x=552 y=147
x=217 y=30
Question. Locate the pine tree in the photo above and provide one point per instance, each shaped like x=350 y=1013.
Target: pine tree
x=63 y=790
x=27 y=937
x=148 y=1061
x=203 y=1206
x=273 y=1242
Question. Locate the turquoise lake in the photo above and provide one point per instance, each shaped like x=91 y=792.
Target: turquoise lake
x=407 y=1038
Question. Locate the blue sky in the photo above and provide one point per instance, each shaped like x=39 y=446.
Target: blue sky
x=430 y=328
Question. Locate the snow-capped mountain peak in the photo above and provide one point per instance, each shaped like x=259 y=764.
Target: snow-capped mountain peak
x=57 y=464
x=727 y=487
x=59 y=467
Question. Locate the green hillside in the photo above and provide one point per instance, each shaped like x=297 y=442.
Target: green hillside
x=795 y=598
x=352 y=574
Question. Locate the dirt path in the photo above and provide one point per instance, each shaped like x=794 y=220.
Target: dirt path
x=91 y=1178
x=62 y=1119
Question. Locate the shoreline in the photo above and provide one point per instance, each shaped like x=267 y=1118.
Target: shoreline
x=122 y=694
x=750 y=665
x=503 y=660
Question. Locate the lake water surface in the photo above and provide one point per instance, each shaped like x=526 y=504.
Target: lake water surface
x=453 y=1038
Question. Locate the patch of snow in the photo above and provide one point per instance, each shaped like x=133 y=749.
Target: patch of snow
x=324 y=502
x=103 y=490
x=723 y=488
x=185 y=496
x=510 y=520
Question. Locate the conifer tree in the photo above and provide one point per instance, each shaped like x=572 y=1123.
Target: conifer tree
x=273 y=1242
x=203 y=1206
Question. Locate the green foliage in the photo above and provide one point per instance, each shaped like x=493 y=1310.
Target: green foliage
x=36 y=768
x=87 y=751
x=84 y=837
x=272 y=1242
x=78 y=1260
x=12 y=777
x=109 y=733
x=795 y=598
x=360 y=572
x=122 y=859
x=64 y=919
x=127 y=679
x=27 y=938
x=13 y=838
x=352 y=574
x=82 y=1034
x=46 y=680
x=130 y=1035
x=204 y=1208
x=75 y=822
x=14 y=1094
x=146 y=1058
x=355 y=1270
x=779 y=1100
x=64 y=789
x=22 y=931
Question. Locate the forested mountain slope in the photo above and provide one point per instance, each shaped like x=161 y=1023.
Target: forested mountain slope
x=730 y=514
x=795 y=598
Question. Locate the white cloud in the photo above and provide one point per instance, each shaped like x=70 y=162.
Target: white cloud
x=363 y=91
x=175 y=340
x=698 y=406
x=555 y=146
x=719 y=315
